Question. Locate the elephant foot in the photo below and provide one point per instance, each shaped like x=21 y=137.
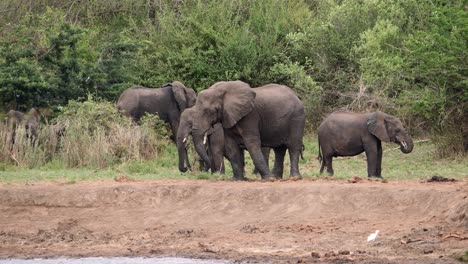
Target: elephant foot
x=239 y=179
x=375 y=178
x=270 y=178
x=295 y=178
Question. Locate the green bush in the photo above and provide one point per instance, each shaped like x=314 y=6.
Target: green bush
x=406 y=57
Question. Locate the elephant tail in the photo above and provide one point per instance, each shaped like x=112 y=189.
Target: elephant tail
x=302 y=152
x=320 y=157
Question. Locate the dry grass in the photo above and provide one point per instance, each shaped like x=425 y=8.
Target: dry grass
x=77 y=144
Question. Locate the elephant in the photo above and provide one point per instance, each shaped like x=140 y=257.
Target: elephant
x=168 y=101
x=214 y=142
x=30 y=121
x=270 y=116
x=349 y=134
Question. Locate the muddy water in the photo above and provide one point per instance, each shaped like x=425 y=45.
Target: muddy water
x=112 y=261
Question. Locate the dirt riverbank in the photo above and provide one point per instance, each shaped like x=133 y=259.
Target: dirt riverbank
x=324 y=221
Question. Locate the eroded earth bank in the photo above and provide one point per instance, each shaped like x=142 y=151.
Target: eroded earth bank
x=256 y=222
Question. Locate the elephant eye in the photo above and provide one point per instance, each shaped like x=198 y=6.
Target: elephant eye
x=397 y=130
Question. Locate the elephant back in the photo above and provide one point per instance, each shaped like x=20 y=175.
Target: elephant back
x=274 y=95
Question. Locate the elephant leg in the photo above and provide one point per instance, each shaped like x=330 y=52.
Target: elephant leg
x=255 y=152
x=216 y=150
x=235 y=156
x=279 y=162
x=242 y=157
x=294 y=154
x=378 y=169
x=296 y=144
x=174 y=123
x=252 y=142
x=328 y=162
x=266 y=155
x=372 y=159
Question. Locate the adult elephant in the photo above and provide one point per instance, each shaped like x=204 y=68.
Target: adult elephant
x=268 y=116
x=349 y=134
x=168 y=101
x=30 y=122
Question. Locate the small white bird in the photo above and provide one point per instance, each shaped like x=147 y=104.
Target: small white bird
x=372 y=236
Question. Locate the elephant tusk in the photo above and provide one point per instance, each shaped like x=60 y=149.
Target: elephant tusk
x=403 y=143
x=185 y=140
x=205 y=138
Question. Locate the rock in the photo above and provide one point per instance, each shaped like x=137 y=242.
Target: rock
x=428 y=251
x=437 y=178
x=315 y=255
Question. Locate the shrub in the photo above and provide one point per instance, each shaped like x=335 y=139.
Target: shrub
x=88 y=134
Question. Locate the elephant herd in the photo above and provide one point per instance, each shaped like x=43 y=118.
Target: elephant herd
x=230 y=117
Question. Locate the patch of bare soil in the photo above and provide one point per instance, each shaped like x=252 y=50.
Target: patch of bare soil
x=255 y=222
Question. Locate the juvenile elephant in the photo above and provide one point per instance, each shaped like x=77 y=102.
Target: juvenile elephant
x=168 y=101
x=349 y=134
x=15 y=119
x=269 y=116
x=213 y=141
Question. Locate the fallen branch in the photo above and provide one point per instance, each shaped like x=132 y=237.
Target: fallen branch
x=454 y=235
x=410 y=241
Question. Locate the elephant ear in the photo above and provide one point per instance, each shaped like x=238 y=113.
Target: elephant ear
x=238 y=102
x=376 y=126
x=191 y=97
x=179 y=93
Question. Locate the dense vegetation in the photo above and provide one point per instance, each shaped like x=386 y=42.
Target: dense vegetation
x=405 y=57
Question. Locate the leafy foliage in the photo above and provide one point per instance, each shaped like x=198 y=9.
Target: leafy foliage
x=405 y=57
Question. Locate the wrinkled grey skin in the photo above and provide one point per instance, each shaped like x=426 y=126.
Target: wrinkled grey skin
x=349 y=134
x=168 y=101
x=269 y=116
x=213 y=143
x=15 y=119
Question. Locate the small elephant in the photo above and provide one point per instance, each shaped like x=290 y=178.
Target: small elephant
x=269 y=116
x=15 y=119
x=168 y=101
x=213 y=141
x=349 y=134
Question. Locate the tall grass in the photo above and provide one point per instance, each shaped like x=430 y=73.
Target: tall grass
x=90 y=134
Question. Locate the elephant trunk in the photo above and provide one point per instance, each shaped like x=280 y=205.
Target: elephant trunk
x=198 y=141
x=183 y=156
x=184 y=162
x=406 y=145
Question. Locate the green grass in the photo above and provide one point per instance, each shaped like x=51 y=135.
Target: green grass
x=420 y=164
x=464 y=257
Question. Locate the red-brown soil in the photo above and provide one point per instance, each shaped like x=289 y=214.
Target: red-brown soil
x=305 y=221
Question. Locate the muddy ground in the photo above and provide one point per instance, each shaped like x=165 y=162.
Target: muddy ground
x=324 y=221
